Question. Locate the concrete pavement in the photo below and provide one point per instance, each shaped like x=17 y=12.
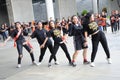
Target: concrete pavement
x=102 y=70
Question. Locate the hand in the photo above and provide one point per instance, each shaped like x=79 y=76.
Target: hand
x=42 y=46
x=90 y=36
x=25 y=43
x=86 y=43
x=61 y=42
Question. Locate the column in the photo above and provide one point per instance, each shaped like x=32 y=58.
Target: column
x=20 y=10
x=95 y=6
x=10 y=11
x=50 y=10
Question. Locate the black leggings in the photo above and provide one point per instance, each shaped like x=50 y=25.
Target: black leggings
x=104 y=28
x=114 y=27
x=56 y=47
x=20 y=51
x=50 y=47
x=4 y=35
x=99 y=37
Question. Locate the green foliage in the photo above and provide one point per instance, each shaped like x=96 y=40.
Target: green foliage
x=84 y=12
x=108 y=17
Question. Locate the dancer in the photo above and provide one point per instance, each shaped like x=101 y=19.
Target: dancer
x=20 y=42
x=41 y=35
x=76 y=30
x=91 y=27
x=59 y=35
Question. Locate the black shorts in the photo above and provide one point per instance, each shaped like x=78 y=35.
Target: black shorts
x=79 y=44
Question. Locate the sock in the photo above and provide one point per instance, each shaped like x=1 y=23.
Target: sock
x=19 y=60
x=85 y=60
x=73 y=60
x=32 y=57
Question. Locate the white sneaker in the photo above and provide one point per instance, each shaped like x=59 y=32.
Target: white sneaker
x=39 y=63
x=92 y=64
x=56 y=63
x=19 y=66
x=49 y=65
x=109 y=61
x=35 y=63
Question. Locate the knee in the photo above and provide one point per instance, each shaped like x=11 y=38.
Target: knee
x=20 y=56
x=76 y=53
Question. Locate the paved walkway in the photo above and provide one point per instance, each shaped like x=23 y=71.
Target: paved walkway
x=102 y=70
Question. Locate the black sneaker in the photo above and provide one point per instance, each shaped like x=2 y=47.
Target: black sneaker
x=70 y=63
x=56 y=63
x=73 y=64
x=86 y=62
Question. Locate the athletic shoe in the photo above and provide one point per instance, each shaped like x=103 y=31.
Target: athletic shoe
x=73 y=64
x=39 y=63
x=49 y=65
x=86 y=62
x=92 y=64
x=56 y=63
x=19 y=66
x=109 y=61
x=35 y=63
x=70 y=63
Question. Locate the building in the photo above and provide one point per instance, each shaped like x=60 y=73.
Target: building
x=29 y=10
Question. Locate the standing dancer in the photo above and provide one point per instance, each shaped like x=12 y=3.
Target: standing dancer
x=59 y=35
x=91 y=27
x=41 y=35
x=20 y=42
x=76 y=30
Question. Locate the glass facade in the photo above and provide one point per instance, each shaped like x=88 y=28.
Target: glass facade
x=3 y=12
x=41 y=1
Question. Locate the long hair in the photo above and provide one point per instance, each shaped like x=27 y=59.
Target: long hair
x=16 y=24
x=50 y=25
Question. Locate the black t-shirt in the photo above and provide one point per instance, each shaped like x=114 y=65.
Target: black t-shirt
x=40 y=35
x=90 y=27
x=2 y=29
x=113 y=19
x=75 y=30
x=56 y=34
x=117 y=17
x=104 y=16
x=20 y=37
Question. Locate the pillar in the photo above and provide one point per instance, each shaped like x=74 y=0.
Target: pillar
x=20 y=10
x=50 y=10
x=95 y=6
x=10 y=11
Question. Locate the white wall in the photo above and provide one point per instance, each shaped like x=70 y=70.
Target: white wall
x=22 y=10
